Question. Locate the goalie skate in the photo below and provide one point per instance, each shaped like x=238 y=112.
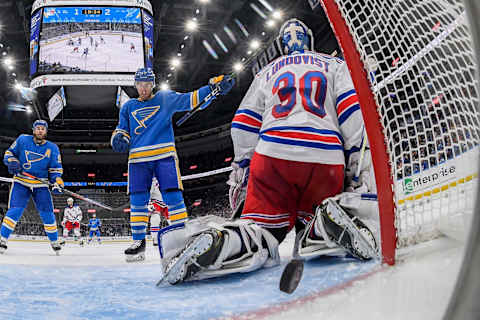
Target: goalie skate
x=136 y=252
x=346 y=230
x=200 y=253
x=3 y=245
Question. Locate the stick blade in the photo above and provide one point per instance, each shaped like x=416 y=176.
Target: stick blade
x=291 y=276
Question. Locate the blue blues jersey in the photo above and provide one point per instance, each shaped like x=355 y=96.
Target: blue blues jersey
x=149 y=123
x=94 y=224
x=43 y=161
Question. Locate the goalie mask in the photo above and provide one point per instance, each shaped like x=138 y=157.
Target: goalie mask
x=295 y=37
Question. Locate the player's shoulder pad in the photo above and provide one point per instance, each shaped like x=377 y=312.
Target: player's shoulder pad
x=52 y=145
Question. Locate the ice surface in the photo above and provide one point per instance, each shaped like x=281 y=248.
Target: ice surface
x=94 y=282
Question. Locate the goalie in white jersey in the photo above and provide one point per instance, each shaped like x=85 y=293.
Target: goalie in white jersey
x=297 y=126
x=72 y=217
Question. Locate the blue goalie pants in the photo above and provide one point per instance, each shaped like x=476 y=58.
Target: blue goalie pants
x=18 y=200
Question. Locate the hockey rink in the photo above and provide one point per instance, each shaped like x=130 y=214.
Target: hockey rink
x=94 y=282
x=111 y=55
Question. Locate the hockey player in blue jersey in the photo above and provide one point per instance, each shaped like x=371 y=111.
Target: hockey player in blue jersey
x=94 y=226
x=35 y=155
x=145 y=130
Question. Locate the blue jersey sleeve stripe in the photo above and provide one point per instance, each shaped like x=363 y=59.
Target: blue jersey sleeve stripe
x=345 y=115
x=246 y=128
x=251 y=113
x=344 y=95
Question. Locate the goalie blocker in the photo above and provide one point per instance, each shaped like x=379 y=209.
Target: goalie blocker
x=210 y=246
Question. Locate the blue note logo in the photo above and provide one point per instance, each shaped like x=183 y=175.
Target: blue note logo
x=142 y=116
x=32 y=157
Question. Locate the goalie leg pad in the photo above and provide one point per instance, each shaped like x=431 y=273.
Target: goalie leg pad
x=338 y=226
x=238 y=246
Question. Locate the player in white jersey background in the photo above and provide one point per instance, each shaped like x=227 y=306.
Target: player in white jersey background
x=296 y=128
x=158 y=211
x=72 y=218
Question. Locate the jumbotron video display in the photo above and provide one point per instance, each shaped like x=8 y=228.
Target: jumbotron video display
x=90 y=39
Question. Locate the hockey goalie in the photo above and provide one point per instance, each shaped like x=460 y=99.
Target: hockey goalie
x=298 y=137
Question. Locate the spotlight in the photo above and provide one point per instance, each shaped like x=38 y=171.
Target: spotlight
x=164 y=86
x=8 y=61
x=191 y=25
x=237 y=66
x=270 y=23
x=175 y=62
x=277 y=14
x=255 y=44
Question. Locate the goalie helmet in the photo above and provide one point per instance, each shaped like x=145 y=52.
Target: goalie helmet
x=40 y=123
x=145 y=75
x=295 y=37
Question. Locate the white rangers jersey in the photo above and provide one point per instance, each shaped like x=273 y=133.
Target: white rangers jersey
x=73 y=214
x=155 y=194
x=300 y=107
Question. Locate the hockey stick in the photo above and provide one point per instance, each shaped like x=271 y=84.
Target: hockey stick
x=2 y=179
x=212 y=95
x=70 y=193
x=292 y=274
x=214 y=92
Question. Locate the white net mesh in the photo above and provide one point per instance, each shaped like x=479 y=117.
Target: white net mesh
x=420 y=62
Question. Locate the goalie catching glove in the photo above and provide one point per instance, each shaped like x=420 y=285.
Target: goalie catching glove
x=204 y=248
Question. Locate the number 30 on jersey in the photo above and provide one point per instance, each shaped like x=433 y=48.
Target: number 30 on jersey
x=286 y=87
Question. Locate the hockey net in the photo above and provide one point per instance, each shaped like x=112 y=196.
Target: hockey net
x=413 y=66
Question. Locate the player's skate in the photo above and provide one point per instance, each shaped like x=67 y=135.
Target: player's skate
x=136 y=252
x=202 y=251
x=346 y=230
x=61 y=242
x=56 y=247
x=3 y=245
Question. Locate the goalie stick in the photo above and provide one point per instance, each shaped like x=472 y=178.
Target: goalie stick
x=70 y=193
x=292 y=274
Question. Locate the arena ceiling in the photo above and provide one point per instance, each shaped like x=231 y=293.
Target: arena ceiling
x=91 y=115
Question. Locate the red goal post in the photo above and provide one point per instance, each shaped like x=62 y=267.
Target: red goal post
x=426 y=67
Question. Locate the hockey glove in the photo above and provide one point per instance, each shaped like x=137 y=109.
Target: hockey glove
x=13 y=165
x=223 y=83
x=237 y=181
x=58 y=186
x=120 y=141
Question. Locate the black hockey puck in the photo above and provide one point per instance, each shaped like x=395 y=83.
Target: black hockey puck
x=291 y=276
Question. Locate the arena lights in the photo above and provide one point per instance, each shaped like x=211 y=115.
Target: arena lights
x=277 y=14
x=18 y=86
x=28 y=110
x=8 y=61
x=164 y=86
x=270 y=23
x=175 y=62
x=254 y=44
x=237 y=66
x=204 y=1
x=191 y=25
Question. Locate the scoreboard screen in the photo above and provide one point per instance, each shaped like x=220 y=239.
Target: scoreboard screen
x=90 y=39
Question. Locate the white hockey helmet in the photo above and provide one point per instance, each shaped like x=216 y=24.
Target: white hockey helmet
x=94 y=215
x=70 y=200
x=295 y=37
